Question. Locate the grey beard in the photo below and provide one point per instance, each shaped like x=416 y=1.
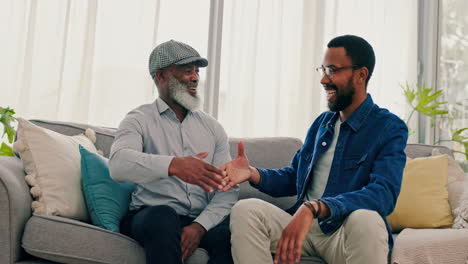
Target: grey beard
x=179 y=93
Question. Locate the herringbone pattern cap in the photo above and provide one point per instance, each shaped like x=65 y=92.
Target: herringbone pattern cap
x=174 y=52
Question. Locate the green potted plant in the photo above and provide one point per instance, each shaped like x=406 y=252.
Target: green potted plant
x=425 y=101
x=7 y=119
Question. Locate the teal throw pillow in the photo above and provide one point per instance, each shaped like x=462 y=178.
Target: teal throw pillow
x=106 y=199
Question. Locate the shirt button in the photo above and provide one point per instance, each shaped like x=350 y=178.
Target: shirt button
x=324 y=143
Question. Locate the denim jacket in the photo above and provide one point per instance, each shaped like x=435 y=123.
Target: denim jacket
x=366 y=171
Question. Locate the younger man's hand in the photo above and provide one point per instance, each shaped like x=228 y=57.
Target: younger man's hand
x=238 y=169
x=289 y=247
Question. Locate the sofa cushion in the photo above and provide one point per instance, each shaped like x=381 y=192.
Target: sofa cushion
x=106 y=199
x=104 y=135
x=423 y=200
x=415 y=246
x=461 y=212
x=52 y=163
x=455 y=183
x=68 y=241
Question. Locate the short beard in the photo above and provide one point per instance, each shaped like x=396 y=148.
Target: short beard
x=343 y=99
x=179 y=93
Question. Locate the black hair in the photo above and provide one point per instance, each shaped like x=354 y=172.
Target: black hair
x=358 y=49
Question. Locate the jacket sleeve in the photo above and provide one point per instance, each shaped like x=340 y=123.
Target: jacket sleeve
x=279 y=182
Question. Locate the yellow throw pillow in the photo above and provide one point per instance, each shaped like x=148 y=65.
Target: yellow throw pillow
x=423 y=200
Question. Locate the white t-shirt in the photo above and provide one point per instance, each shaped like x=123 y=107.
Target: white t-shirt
x=321 y=170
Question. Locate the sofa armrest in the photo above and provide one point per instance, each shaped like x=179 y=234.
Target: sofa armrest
x=15 y=208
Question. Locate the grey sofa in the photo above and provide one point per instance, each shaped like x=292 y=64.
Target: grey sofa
x=27 y=239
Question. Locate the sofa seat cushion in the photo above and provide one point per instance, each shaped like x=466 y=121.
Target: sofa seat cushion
x=413 y=246
x=69 y=241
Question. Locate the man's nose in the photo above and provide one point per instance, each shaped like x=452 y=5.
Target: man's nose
x=194 y=77
x=325 y=79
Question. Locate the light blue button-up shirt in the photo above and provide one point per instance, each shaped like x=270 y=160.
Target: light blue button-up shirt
x=148 y=139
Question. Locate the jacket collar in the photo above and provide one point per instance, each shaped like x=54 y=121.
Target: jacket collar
x=357 y=118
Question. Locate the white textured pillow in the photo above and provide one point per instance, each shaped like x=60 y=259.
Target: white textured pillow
x=52 y=164
x=457 y=188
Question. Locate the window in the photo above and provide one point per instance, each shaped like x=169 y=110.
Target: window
x=453 y=67
x=270 y=49
x=86 y=61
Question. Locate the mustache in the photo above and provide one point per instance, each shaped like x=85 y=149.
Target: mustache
x=330 y=87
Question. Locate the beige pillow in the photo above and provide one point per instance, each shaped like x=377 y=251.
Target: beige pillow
x=423 y=200
x=52 y=164
x=461 y=212
x=456 y=180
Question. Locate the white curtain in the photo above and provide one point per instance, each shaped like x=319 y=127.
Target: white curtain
x=391 y=28
x=271 y=48
x=86 y=60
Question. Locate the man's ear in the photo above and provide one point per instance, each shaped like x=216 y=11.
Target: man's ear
x=158 y=75
x=362 y=75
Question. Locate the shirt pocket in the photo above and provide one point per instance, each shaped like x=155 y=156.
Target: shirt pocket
x=355 y=162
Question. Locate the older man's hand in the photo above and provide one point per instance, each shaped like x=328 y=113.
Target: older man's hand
x=194 y=170
x=190 y=239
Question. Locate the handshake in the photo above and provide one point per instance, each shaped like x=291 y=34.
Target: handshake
x=194 y=170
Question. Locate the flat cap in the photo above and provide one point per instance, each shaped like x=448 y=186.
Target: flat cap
x=174 y=53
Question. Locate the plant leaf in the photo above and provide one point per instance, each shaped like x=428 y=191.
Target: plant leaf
x=410 y=94
x=458 y=137
x=465 y=144
x=426 y=102
x=6 y=150
x=6 y=118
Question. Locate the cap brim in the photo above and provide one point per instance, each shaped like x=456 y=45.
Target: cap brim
x=199 y=61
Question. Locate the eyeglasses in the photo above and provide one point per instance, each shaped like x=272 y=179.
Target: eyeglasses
x=330 y=71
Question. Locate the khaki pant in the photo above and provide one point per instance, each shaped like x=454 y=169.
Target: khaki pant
x=256 y=227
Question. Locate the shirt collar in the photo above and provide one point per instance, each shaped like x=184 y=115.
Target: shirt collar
x=331 y=123
x=359 y=116
x=161 y=105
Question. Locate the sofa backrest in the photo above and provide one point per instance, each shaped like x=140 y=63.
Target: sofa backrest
x=274 y=152
x=104 y=135
x=421 y=150
x=268 y=153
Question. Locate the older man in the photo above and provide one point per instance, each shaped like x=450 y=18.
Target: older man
x=347 y=176
x=171 y=151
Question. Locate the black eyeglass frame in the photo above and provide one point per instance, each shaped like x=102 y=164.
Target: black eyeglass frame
x=329 y=71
